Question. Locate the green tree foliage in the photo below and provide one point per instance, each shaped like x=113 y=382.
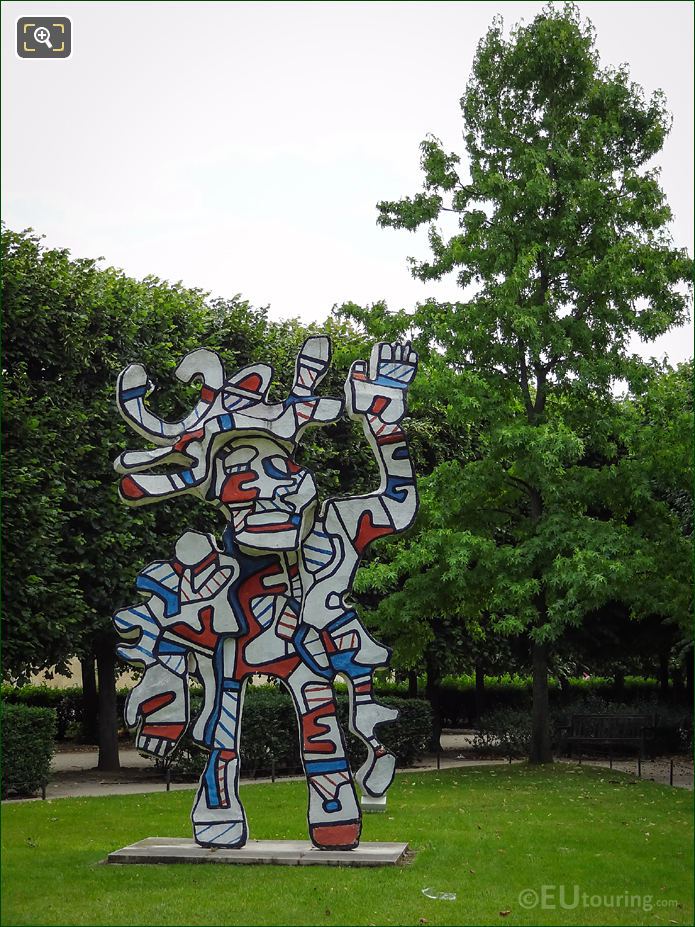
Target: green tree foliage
x=563 y=253
x=71 y=549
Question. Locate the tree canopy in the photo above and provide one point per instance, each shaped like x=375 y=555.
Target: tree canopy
x=563 y=253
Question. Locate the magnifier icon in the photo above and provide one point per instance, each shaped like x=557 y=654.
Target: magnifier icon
x=43 y=36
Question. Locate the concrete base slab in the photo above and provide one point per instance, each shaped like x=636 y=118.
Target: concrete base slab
x=370 y=804
x=273 y=852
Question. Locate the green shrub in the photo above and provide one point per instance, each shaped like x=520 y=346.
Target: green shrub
x=67 y=703
x=270 y=734
x=28 y=735
x=506 y=732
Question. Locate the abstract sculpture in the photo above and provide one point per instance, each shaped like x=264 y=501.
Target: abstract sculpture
x=272 y=598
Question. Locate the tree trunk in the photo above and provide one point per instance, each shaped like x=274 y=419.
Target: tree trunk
x=433 y=695
x=662 y=674
x=412 y=683
x=479 y=692
x=619 y=683
x=565 y=689
x=689 y=677
x=108 y=716
x=90 y=701
x=541 y=749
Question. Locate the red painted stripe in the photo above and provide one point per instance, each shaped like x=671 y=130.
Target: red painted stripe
x=204 y=564
x=168 y=731
x=151 y=705
x=392 y=438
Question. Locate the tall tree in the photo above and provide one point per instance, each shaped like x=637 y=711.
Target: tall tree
x=563 y=254
x=71 y=550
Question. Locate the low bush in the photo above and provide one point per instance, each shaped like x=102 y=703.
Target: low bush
x=506 y=732
x=28 y=736
x=67 y=703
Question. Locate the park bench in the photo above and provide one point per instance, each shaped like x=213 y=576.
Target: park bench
x=608 y=731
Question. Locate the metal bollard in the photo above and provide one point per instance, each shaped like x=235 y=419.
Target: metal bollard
x=272 y=770
x=167 y=778
x=670 y=774
x=439 y=759
x=639 y=767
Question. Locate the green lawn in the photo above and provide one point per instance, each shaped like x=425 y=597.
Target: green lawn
x=487 y=834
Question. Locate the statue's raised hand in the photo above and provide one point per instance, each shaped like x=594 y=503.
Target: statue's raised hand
x=380 y=389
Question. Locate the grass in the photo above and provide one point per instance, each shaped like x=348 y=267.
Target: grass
x=486 y=834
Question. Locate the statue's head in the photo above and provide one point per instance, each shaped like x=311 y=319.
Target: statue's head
x=235 y=450
x=270 y=497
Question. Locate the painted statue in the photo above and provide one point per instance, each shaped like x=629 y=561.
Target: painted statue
x=272 y=599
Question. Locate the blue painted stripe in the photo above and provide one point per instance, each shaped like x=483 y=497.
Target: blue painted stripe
x=387 y=381
x=314 y=767
x=339 y=622
x=226 y=422
x=133 y=393
x=145 y=615
x=267 y=608
x=319 y=550
x=213 y=792
x=168 y=648
x=317 y=562
x=187 y=477
x=168 y=596
x=226 y=730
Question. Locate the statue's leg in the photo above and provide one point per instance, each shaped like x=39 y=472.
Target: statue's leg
x=334 y=815
x=356 y=656
x=218 y=816
x=377 y=772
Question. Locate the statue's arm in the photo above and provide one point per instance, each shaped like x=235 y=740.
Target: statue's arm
x=376 y=395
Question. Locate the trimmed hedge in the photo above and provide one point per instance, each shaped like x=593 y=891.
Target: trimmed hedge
x=457 y=697
x=67 y=704
x=270 y=735
x=28 y=735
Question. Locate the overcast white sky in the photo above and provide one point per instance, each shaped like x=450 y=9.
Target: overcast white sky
x=242 y=147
